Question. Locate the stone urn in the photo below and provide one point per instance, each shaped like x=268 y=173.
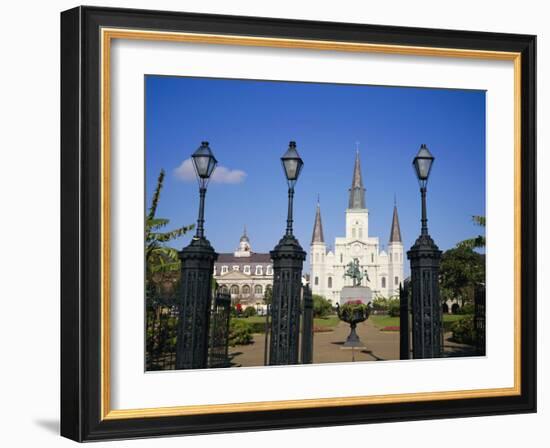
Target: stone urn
x=353 y=312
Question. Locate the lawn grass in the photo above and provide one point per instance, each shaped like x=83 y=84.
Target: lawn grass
x=380 y=321
x=326 y=322
x=258 y=322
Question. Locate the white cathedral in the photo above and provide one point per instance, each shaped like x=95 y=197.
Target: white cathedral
x=384 y=268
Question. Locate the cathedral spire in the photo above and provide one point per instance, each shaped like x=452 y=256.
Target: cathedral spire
x=357 y=191
x=318 y=236
x=395 y=233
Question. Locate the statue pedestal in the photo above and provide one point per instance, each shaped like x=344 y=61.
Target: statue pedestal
x=352 y=293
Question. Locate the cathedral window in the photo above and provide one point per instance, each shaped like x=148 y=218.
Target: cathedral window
x=258 y=270
x=396 y=281
x=247 y=269
x=390 y=256
x=383 y=282
x=360 y=234
x=316 y=282
x=341 y=258
x=224 y=269
x=329 y=282
x=258 y=289
x=372 y=258
x=246 y=290
x=353 y=233
x=234 y=290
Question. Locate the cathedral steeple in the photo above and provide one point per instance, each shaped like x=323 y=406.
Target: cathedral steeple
x=318 y=236
x=357 y=191
x=395 y=233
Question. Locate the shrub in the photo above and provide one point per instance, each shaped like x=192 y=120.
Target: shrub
x=249 y=311
x=464 y=331
x=321 y=306
x=395 y=309
x=468 y=308
x=240 y=333
x=385 y=304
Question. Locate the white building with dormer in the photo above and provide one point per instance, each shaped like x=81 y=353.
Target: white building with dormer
x=244 y=274
x=384 y=267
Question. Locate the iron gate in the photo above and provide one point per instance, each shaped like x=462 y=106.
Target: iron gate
x=219 y=331
x=162 y=316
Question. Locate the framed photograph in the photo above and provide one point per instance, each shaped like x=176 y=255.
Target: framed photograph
x=274 y=223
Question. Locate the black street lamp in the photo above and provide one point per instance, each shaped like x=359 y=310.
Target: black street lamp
x=292 y=165
x=423 y=165
x=197 y=266
x=288 y=258
x=204 y=163
x=425 y=259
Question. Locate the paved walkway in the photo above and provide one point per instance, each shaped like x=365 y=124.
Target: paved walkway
x=327 y=347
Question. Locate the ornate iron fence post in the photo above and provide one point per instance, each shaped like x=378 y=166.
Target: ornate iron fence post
x=479 y=320
x=288 y=258
x=197 y=268
x=219 y=334
x=195 y=298
x=307 y=326
x=425 y=258
x=404 y=312
x=426 y=305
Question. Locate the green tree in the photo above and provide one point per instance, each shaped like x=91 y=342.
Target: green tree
x=159 y=257
x=268 y=296
x=321 y=306
x=477 y=242
x=461 y=269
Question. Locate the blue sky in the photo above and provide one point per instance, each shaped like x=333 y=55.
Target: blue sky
x=249 y=124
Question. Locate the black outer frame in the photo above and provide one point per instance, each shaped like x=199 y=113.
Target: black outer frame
x=80 y=223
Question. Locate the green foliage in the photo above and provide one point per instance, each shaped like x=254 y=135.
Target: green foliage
x=461 y=269
x=249 y=311
x=159 y=257
x=353 y=310
x=395 y=308
x=468 y=308
x=268 y=296
x=464 y=330
x=240 y=332
x=390 y=305
x=321 y=306
x=478 y=241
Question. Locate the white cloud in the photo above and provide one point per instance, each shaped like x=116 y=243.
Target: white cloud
x=222 y=175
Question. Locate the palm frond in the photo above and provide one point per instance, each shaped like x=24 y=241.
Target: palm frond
x=156 y=223
x=479 y=220
x=472 y=243
x=163 y=237
x=156 y=196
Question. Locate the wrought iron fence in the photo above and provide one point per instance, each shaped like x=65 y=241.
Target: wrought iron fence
x=219 y=331
x=162 y=315
x=479 y=318
x=307 y=325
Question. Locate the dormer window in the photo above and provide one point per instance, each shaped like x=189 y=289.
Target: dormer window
x=247 y=269
x=269 y=271
x=224 y=270
x=236 y=268
x=258 y=270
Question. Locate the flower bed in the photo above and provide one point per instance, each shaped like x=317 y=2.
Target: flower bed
x=391 y=328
